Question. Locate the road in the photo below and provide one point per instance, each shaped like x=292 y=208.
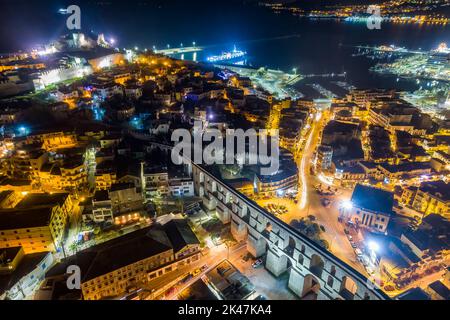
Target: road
x=214 y=255
x=309 y=201
x=265 y=283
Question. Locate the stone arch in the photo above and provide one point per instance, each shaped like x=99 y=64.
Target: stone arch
x=330 y=281
x=245 y=209
x=311 y=287
x=348 y=288
x=333 y=270
x=303 y=249
x=227 y=197
x=291 y=246
x=268 y=227
x=316 y=265
x=300 y=259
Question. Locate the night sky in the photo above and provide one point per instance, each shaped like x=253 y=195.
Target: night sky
x=26 y=23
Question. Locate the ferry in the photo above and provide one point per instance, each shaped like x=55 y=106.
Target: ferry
x=227 y=56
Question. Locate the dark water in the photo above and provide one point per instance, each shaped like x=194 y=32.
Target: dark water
x=278 y=41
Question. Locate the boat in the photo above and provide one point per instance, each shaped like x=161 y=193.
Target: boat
x=227 y=56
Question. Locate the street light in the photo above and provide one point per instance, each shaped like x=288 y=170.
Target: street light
x=373 y=246
x=193 y=43
x=347 y=205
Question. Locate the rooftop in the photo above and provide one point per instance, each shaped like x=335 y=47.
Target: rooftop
x=440 y=289
x=438 y=189
x=180 y=234
x=373 y=199
x=11 y=219
x=39 y=199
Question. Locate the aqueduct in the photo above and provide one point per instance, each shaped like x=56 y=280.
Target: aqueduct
x=312 y=269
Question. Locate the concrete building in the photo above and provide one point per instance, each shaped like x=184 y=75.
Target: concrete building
x=20 y=273
x=371 y=208
x=117 y=266
x=324 y=157
x=37 y=223
x=432 y=197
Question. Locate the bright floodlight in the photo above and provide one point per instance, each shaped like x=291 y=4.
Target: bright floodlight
x=373 y=246
x=347 y=205
x=279 y=193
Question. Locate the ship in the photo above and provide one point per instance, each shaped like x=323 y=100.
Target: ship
x=227 y=56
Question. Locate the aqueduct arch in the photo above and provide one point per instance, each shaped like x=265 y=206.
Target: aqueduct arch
x=311 y=268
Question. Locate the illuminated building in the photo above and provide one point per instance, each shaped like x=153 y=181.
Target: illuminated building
x=37 y=223
x=102 y=207
x=284 y=180
x=133 y=91
x=105 y=175
x=117 y=266
x=22 y=272
x=371 y=208
x=365 y=97
x=22 y=64
x=324 y=157
x=69 y=175
x=120 y=203
x=400 y=117
x=26 y=163
x=125 y=112
x=106 y=61
x=394 y=173
x=156 y=182
x=181 y=187
x=431 y=197
x=340 y=132
x=9 y=199
x=429 y=241
x=348 y=176
x=51 y=141
x=107 y=90
x=64 y=93
x=47 y=77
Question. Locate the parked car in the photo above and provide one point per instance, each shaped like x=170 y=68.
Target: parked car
x=257 y=263
x=196 y=272
x=326 y=202
x=346 y=231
